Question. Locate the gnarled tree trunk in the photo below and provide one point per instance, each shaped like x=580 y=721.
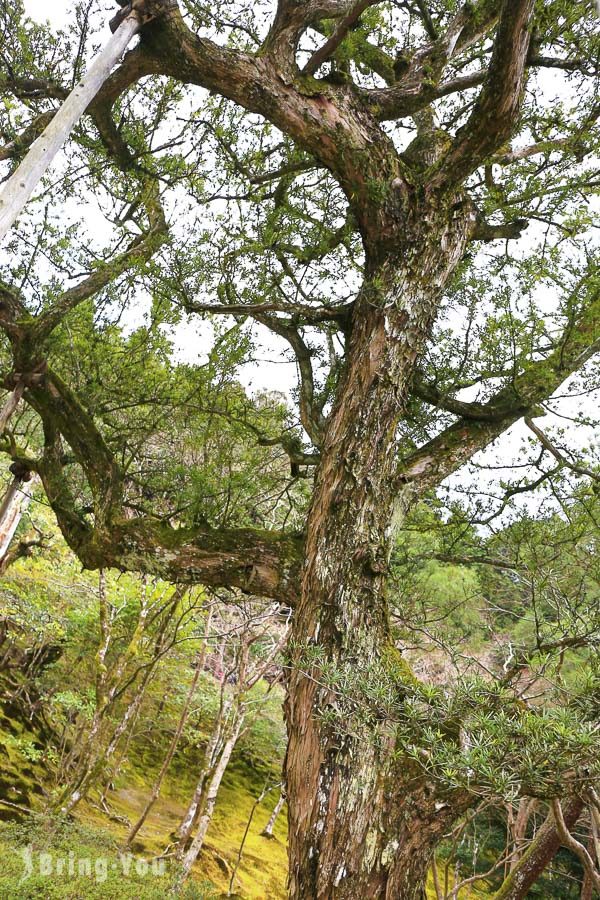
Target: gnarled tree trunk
x=361 y=823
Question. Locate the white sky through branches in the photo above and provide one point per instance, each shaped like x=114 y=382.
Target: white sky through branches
x=273 y=370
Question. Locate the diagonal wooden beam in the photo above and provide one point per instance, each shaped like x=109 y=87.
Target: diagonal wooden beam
x=22 y=183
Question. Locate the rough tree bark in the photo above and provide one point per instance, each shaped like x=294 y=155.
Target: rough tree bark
x=361 y=822
x=340 y=790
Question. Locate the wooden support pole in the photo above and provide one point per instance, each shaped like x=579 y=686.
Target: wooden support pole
x=12 y=508
x=10 y=405
x=22 y=183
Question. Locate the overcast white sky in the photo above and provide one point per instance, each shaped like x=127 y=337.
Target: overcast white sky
x=55 y=11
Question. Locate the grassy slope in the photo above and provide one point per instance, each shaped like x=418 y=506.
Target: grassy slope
x=261 y=875
x=262 y=872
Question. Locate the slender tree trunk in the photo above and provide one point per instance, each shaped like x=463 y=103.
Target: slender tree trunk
x=108 y=682
x=362 y=821
x=268 y=829
x=518 y=829
x=587 y=888
x=90 y=772
x=211 y=755
x=116 y=768
x=154 y=794
x=587 y=885
x=22 y=183
x=74 y=792
x=226 y=731
x=211 y=798
x=540 y=853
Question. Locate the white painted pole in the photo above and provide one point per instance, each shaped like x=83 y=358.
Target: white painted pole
x=22 y=183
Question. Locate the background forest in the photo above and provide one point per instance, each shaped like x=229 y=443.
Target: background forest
x=122 y=697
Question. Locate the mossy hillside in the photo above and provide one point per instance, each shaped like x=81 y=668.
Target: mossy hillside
x=48 y=845
x=262 y=873
x=263 y=869
x=21 y=772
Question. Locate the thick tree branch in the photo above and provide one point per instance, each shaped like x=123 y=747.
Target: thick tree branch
x=478 y=412
x=330 y=124
x=34 y=88
x=407 y=103
x=507 y=231
x=567 y=65
x=574 y=845
x=300 y=311
x=540 y=853
x=62 y=413
x=256 y=561
x=22 y=550
x=425 y=14
x=265 y=563
x=330 y=45
x=291 y=20
x=458 y=560
x=24 y=140
x=419 y=84
x=428 y=466
x=498 y=105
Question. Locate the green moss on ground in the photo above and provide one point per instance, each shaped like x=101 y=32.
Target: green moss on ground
x=93 y=836
x=21 y=774
x=263 y=870
x=73 y=861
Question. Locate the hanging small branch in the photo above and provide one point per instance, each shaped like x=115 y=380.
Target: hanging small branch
x=557 y=454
